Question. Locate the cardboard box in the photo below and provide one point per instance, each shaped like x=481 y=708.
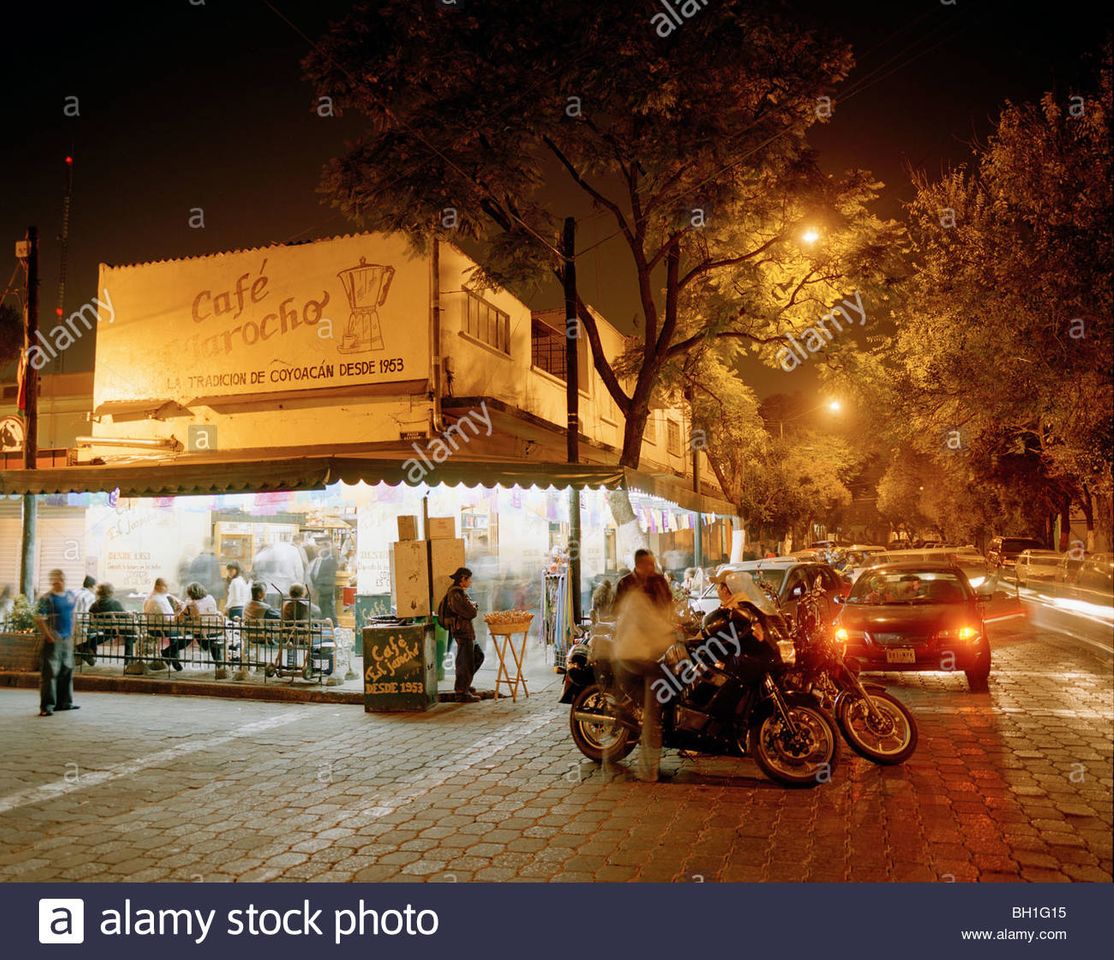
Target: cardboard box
x=442 y=528
x=410 y=578
x=408 y=528
x=446 y=556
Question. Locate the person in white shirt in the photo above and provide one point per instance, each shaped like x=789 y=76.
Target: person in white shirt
x=83 y=600
x=279 y=566
x=205 y=624
x=159 y=610
x=239 y=591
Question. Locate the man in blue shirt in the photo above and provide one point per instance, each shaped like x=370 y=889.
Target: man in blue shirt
x=54 y=617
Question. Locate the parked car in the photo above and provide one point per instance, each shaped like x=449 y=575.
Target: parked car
x=789 y=577
x=1037 y=565
x=1004 y=551
x=916 y=616
x=968 y=559
x=1093 y=572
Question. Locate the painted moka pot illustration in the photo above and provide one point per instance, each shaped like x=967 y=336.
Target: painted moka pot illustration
x=366 y=287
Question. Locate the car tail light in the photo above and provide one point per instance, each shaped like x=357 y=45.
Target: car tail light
x=965 y=633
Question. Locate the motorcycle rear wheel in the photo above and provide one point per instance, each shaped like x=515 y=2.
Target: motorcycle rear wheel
x=888 y=740
x=606 y=740
x=808 y=762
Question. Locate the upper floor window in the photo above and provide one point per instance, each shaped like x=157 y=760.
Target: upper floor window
x=650 y=432
x=673 y=440
x=486 y=322
x=547 y=350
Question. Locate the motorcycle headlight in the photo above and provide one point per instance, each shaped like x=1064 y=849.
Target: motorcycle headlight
x=676 y=655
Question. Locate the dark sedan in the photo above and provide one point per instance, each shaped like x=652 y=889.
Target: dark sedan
x=916 y=616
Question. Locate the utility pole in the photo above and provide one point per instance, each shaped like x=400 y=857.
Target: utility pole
x=572 y=406
x=29 y=250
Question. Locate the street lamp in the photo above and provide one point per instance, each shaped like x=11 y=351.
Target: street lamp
x=810 y=236
x=832 y=406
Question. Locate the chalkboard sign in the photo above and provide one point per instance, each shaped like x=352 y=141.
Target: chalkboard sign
x=400 y=667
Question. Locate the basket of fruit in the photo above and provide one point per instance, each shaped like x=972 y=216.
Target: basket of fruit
x=508 y=621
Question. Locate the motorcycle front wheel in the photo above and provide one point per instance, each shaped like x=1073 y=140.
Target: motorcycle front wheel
x=595 y=733
x=804 y=760
x=887 y=737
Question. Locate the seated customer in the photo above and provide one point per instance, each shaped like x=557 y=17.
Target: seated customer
x=205 y=623
x=257 y=608
x=299 y=607
x=107 y=620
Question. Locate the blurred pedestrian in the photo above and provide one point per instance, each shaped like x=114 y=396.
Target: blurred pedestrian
x=323 y=577
x=54 y=618
x=643 y=632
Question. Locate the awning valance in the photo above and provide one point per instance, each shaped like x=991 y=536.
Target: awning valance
x=673 y=489
x=194 y=477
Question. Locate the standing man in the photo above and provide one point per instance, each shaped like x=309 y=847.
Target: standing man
x=325 y=582
x=54 y=618
x=456 y=613
x=644 y=630
x=645 y=578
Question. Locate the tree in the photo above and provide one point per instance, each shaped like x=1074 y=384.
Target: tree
x=779 y=482
x=693 y=146
x=1004 y=337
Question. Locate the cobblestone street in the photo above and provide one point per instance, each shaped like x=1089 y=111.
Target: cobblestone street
x=1010 y=785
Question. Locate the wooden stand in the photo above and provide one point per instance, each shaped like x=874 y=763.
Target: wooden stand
x=503 y=635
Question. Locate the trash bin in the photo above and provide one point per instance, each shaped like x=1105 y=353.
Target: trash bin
x=400 y=666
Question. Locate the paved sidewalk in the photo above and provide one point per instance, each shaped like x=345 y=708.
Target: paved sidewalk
x=1010 y=785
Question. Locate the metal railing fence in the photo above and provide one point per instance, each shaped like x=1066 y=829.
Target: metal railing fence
x=153 y=643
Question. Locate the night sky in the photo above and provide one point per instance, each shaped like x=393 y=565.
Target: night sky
x=188 y=106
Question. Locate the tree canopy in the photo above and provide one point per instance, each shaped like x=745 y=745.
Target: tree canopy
x=488 y=123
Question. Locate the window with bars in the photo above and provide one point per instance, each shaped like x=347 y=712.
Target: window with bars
x=650 y=433
x=547 y=352
x=487 y=323
x=673 y=440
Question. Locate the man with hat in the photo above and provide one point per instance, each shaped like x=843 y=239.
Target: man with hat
x=456 y=613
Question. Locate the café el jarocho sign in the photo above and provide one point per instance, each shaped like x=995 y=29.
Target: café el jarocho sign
x=341 y=312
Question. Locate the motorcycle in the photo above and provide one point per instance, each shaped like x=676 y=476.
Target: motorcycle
x=722 y=693
x=874 y=723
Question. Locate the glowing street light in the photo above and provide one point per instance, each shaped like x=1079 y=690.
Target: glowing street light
x=810 y=236
x=835 y=406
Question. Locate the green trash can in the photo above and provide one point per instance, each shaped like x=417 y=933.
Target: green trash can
x=400 y=666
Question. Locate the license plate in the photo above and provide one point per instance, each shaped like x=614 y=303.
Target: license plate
x=901 y=655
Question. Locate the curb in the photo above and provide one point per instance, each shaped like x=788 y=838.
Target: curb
x=229 y=689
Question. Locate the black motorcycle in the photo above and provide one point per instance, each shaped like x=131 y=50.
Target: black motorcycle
x=875 y=723
x=721 y=693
